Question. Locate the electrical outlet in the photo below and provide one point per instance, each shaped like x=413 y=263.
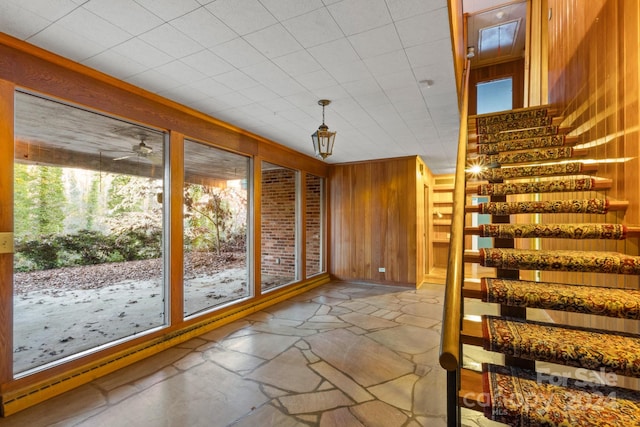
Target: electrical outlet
x=382 y=269
x=6 y=242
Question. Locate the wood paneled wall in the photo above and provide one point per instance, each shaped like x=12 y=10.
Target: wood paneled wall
x=377 y=220
x=593 y=83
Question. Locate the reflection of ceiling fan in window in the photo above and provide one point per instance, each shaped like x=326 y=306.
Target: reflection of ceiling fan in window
x=141 y=150
x=138 y=150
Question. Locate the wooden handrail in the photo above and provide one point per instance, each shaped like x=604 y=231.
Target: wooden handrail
x=450 y=338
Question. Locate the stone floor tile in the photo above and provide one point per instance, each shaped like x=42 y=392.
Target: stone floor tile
x=314 y=402
x=155 y=378
x=341 y=381
x=423 y=309
x=356 y=330
x=379 y=414
x=293 y=310
x=312 y=419
x=263 y=345
x=324 y=318
x=430 y=422
x=190 y=360
x=338 y=310
x=267 y=415
x=186 y=401
x=407 y=338
x=288 y=371
x=354 y=305
x=141 y=369
x=280 y=327
x=324 y=299
x=273 y=392
x=73 y=406
x=226 y=330
x=339 y=418
x=398 y=393
x=233 y=360
x=429 y=394
x=324 y=309
x=118 y=394
x=359 y=357
x=311 y=358
x=409 y=319
x=367 y=322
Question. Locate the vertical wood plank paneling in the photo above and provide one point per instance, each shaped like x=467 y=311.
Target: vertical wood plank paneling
x=593 y=80
x=6 y=225
x=374 y=221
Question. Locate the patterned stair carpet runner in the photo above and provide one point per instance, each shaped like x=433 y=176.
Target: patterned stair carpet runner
x=593 y=206
x=519 y=397
x=488 y=138
x=522 y=144
x=555 y=231
x=511 y=116
x=527 y=156
x=506 y=125
x=578 y=347
x=581 y=261
x=496 y=174
x=580 y=184
x=610 y=302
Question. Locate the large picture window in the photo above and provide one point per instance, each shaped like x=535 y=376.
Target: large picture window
x=216 y=227
x=88 y=264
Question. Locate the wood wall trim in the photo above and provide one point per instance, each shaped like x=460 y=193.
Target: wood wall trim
x=6 y=225
x=176 y=219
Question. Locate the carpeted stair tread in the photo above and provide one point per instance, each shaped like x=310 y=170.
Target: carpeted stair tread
x=564 y=345
x=559 y=185
x=610 y=302
x=530 y=156
x=520 y=397
x=505 y=125
x=552 y=231
x=559 y=260
x=488 y=138
x=591 y=206
x=523 y=144
x=497 y=174
x=510 y=115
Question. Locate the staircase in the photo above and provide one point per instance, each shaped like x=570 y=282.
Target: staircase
x=530 y=170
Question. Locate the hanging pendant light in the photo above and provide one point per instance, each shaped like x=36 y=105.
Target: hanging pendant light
x=323 y=139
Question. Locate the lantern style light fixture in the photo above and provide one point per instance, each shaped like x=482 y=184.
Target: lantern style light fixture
x=323 y=139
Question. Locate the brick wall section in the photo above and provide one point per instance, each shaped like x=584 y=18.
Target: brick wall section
x=278 y=222
x=313 y=224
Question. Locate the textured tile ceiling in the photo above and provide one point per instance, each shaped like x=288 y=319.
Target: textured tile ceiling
x=262 y=65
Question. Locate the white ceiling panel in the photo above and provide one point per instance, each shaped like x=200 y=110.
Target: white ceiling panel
x=273 y=41
x=376 y=42
x=357 y=16
x=136 y=21
x=19 y=22
x=286 y=9
x=203 y=27
x=242 y=16
x=165 y=9
x=314 y=28
x=263 y=65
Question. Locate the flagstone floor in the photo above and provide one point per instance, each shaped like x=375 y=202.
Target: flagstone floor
x=342 y=355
